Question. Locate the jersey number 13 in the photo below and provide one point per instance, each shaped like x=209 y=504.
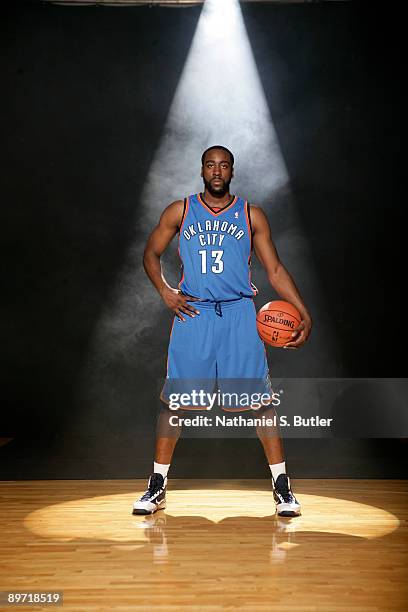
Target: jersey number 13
x=217 y=265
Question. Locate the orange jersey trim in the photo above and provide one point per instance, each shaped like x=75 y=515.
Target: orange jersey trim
x=250 y=250
x=181 y=227
x=167 y=360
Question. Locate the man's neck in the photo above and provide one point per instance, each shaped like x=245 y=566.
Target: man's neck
x=215 y=202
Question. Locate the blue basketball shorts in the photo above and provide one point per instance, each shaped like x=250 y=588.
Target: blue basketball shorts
x=219 y=349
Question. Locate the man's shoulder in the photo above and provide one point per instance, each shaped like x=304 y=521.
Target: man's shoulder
x=173 y=213
x=254 y=206
x=255 y=210
x=175 y=205
x=259 y=220
x=182 y=201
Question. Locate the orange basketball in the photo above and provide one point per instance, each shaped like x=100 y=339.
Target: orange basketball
x=276 y=321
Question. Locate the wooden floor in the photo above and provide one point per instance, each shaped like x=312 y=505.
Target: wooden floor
x=217 y=546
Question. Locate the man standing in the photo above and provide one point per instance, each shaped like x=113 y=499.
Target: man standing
x=214 y=334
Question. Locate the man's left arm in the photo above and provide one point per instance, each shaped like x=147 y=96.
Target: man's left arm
x=277 y=274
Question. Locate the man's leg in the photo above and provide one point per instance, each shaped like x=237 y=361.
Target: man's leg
x=271 y=442
x=167 y=435
x=164 y=450
x=269 y=437
x=286 y=503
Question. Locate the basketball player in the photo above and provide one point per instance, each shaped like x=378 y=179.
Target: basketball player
x=214 y=334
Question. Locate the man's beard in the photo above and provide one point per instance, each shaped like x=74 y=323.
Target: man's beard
x=218 y=191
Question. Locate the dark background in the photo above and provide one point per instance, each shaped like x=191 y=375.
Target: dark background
x=85 y=95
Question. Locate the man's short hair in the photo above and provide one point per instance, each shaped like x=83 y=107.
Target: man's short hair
x=217 y=147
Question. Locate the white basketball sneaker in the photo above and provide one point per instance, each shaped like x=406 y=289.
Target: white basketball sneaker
x=154 y=498
x=286 y=502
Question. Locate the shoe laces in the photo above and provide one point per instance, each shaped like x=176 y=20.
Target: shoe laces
x=156 y=482
x=282 y=486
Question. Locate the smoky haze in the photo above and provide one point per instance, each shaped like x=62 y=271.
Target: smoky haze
x=132 y=332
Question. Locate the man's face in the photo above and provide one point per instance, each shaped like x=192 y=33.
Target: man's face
x=217 y=172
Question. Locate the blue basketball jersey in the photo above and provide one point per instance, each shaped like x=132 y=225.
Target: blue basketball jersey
x=215 y=249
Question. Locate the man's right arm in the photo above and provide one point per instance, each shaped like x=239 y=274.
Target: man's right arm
x=157 y=243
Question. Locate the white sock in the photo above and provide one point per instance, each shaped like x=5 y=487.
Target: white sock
x=276 y=469
x=161 y=468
